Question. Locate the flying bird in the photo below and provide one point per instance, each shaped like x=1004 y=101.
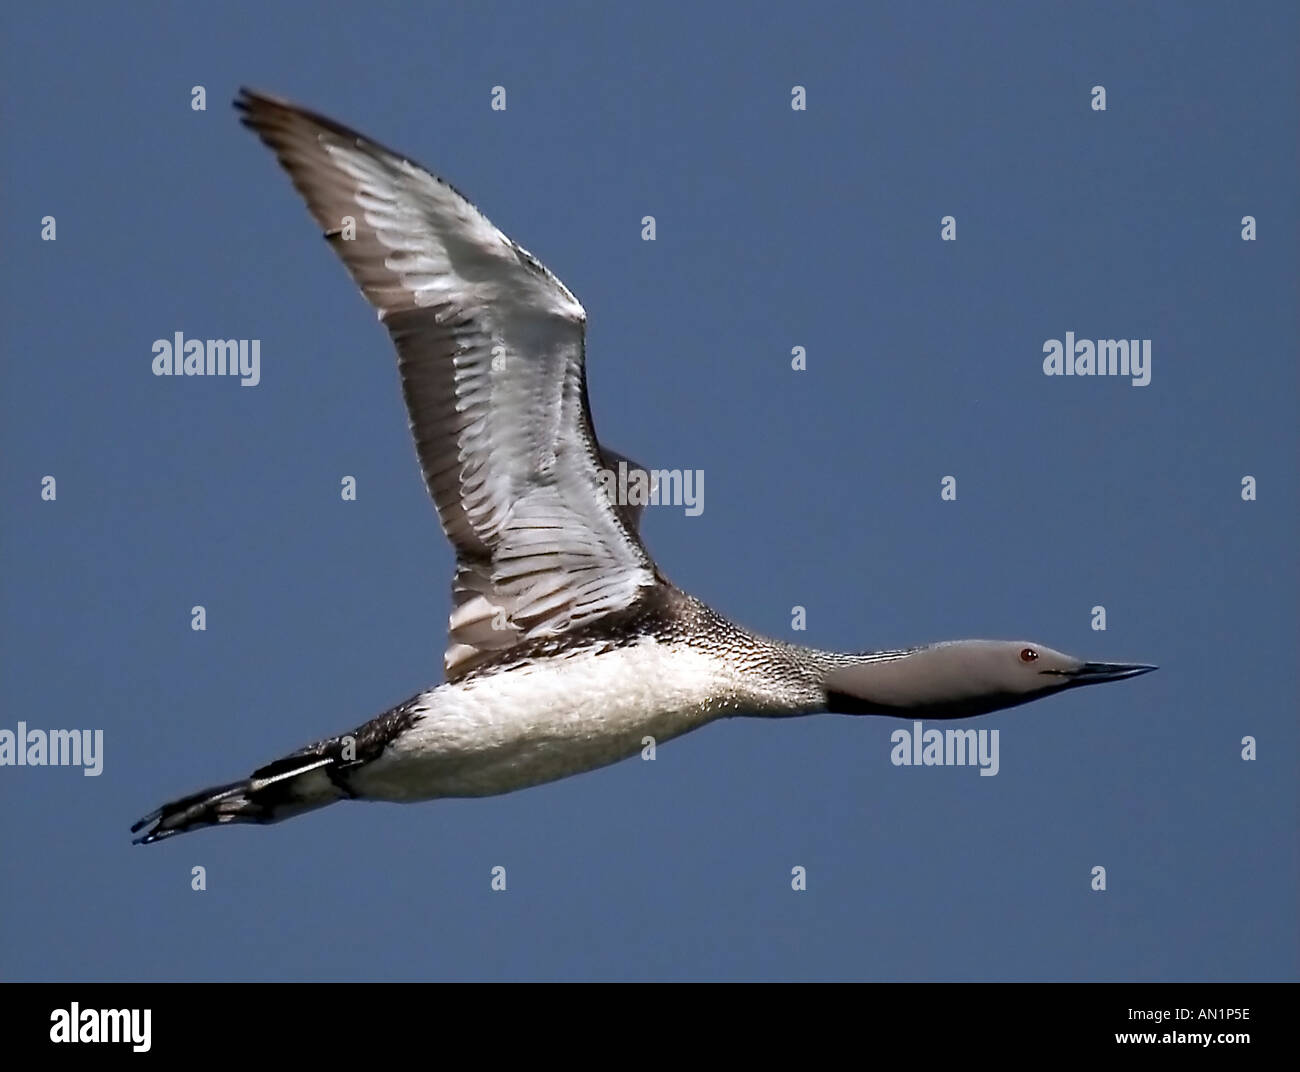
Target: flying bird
x=566 y=644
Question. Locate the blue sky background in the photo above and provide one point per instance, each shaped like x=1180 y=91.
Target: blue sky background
x=775 y=229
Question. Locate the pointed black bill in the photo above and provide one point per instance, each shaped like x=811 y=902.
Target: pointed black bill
x=1092 y=673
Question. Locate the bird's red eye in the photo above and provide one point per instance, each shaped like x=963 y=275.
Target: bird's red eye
x=1028 y=655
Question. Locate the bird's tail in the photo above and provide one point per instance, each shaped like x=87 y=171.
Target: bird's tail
x=289 y=786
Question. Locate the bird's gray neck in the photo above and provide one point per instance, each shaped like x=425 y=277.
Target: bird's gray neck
x=788 y=679
x=807 y=669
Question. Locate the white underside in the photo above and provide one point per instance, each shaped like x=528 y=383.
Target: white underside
x=562 y=715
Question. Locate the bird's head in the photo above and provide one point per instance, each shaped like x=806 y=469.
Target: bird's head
x=960 y=678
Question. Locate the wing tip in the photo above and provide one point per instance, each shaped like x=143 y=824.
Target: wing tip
x=261 y=111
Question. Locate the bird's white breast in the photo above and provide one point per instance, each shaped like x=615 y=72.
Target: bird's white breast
x=558 y=716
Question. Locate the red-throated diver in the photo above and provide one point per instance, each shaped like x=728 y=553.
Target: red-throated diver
x=566 y=644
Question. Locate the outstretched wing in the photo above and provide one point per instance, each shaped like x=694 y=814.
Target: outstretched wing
x=490 y=348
